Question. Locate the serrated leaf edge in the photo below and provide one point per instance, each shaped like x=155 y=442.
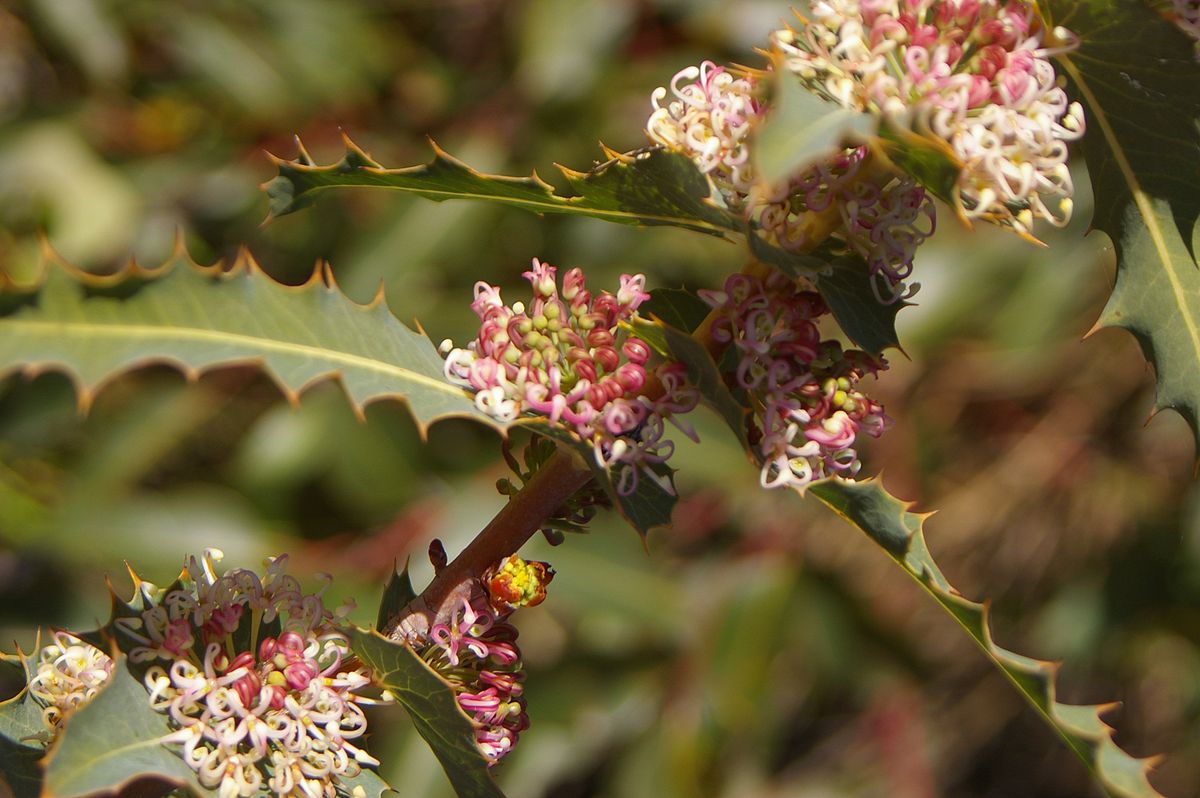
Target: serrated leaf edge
x=1101 y=747
x=243 y=265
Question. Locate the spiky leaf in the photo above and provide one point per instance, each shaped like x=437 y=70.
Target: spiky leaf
x=648 y=506
x=803 y=129
x=21 y=715
x=1136 y=75
x=201 y=317
x=888 y=522
x=435 y=713
x=654 y=187
x=114 y=741
x=846 y=289
x=702 y=370
x=675 y=307
x=397 y=593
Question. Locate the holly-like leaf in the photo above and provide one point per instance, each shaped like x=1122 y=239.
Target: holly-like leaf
x=1137 y=77
x=20 y=772
x=803 y=129
x=397 y=593
x=112 y=741
x=652 y=187
x=702 y=370
x=675 y=307
x=198 y=318
x=869 y=323
x=369 y=781
x=21 y=715
x=435 y=712
x=888 y=522
x=648 y=506
x=21 y=734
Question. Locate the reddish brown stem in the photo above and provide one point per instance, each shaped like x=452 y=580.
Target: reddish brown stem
x=555 y=482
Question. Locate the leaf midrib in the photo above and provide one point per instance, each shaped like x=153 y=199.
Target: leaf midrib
x=1140 y=199
x=136 y=331
x=555 y=204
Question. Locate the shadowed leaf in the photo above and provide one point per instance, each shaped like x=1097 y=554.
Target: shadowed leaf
x=888 y=522
x=648 y=506
x=433 y=708
x=1137 y=77
x=702 y=371
x=847 y=291
x=653 y=187
x=803 y=129
x=198 y=318
x=397 y=593
x=113 y=741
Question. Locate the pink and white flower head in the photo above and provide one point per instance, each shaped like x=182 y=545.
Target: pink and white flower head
x=476 y=652
x=69 y=673
x=255 y=679
x=567 y=356
x=975 y=73
x=880 y=216
x=808 y=408
x=708 y=114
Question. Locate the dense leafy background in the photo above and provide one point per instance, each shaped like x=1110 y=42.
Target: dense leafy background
x=760 y=646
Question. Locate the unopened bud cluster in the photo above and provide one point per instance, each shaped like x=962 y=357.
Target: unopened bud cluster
x=476 y=652
x=809 y=409
x=974 y=73
x=278 y=714
x=881 y=216
x=69 y=673
x=567 y=357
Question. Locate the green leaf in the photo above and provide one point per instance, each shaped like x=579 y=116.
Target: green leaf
x=888 y=522
x=21 y=715
x=802 y=129
x=114 y=741
x=21 y=732
x=702 y=370
x=198 y=318
x=19 y=769
x=675 y=307
x=926 y=158
x=648 y=506
x=847 y=291
x=370 y=782
x=397 y=593
x=1136 y=75
x=433 y=708
x=651 y=187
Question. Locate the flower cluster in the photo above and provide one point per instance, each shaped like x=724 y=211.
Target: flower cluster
x=877 y=214
x=476 y=652
x=974 y=73
x=255 y=679
x=566 y=357
x=809 y=410
x=69 y=674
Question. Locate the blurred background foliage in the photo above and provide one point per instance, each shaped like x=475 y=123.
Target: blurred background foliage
x=758 y=648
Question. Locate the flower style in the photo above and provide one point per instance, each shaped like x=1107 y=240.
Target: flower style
x=69 y=674
x=476 y=652
x=808 y=408
x=255 y=679
x=566 y=357
x=974 y=73
x=881 y=216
